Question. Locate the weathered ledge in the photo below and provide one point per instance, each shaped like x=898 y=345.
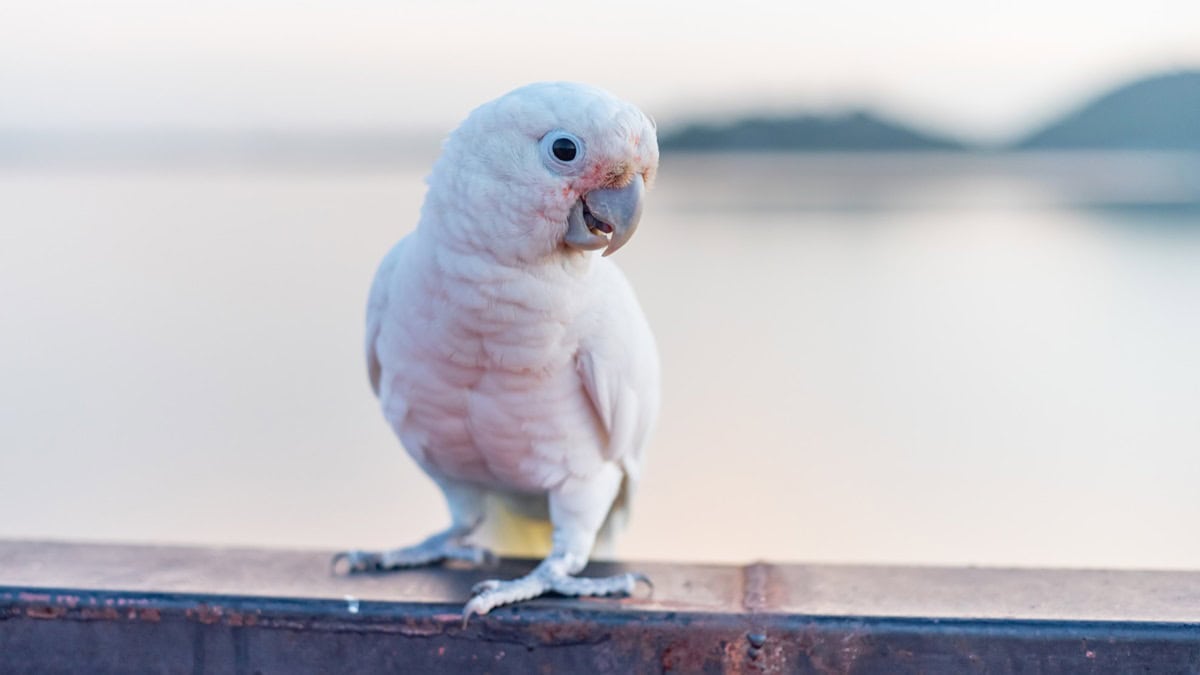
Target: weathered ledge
x=107 y=609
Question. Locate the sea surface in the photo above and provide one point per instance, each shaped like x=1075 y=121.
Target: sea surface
x=930 y=359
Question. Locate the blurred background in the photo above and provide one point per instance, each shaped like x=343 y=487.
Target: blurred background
x=925 y=277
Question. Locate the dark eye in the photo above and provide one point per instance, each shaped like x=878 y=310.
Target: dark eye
x=563 y=152
x=564 y=149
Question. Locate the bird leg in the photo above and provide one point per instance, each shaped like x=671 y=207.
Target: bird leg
x=550 y=576
x=577 y=511
x=445 y=545
x=466 y=510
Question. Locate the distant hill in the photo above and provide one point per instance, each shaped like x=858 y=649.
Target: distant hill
x=1161 y=112
x=850 y=132
x=1156 y=113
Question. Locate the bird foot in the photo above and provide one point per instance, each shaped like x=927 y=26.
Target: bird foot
x=425 y=553
x=487 y=595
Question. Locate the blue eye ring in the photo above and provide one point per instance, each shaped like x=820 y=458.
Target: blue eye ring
x=562 y=151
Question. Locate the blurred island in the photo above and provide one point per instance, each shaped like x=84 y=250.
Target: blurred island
x=1161 y=112
x=858 y=130
x=1156 y=113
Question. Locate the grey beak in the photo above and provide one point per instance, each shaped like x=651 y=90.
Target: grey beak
x=617 y=209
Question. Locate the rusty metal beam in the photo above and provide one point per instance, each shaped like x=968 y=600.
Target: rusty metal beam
x=118 y=609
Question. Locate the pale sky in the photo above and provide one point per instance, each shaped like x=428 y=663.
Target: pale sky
x=985 y=70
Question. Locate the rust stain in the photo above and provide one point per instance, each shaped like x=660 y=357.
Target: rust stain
x=45 y=612
x=213 y=614
x=206 y=614
x=101 y=614
x=734 y=657
x=676 y=657
x=241 y=619
x=769 y=658
x=94 y=613
x=842 y=655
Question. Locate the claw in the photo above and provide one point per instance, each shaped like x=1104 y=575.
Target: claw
x=471 y=608
x=335 y=565
x=484 y=586
x=639 y=578
x=355 y=562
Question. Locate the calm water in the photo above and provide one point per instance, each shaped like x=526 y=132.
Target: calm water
x=873 y=359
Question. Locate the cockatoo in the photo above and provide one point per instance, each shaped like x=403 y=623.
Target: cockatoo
x=510 y=355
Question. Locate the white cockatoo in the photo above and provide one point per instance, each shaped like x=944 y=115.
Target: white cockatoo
x=509 y=354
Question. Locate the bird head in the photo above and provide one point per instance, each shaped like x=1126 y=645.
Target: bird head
x=545 y=168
